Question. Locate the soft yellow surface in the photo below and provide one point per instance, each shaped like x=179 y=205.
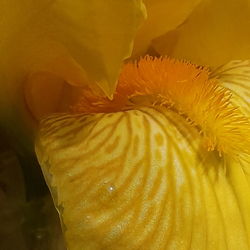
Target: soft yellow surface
x=77 y=40
x=141 y=179
x=215 y=33
x=162 y=16
x=235 y=76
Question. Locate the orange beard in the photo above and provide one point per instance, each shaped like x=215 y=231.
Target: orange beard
x=183 y=87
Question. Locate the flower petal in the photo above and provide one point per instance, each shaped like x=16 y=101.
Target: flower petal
x=78 y=41
x=163 y=15
x=215 y=33
x=235 y=76
x=139 y=179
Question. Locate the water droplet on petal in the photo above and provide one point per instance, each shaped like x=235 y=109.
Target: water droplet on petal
x=107 y=194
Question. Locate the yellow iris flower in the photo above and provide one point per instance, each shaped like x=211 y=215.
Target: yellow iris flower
x=152 y=154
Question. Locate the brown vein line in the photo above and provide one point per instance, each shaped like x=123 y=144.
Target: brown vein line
x=78 y=128
x=186 y=174
x=188 y=130
x=55 y=125
x=103 y=167
x=91 y=196
x=128 y=142
x=112 y=127
x=126 y=208
x=88 y=190
x=167 y=200
x=157 y=183
x=100 y=167
x=67 y=136
x=147 y=159
x=135 y=169
x=121 y=159
x=163 y=128
x=199 y=158
x=170 y=120
x=96 y=148
x=56 y=118
x=69 y=132
x=173 y=205
x=133 y=201
x=78 y=139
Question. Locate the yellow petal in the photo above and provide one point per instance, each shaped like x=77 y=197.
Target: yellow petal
x=139 y=179
x=77 y=41
x=235 y=76
x=215 y=33
x=162 y=16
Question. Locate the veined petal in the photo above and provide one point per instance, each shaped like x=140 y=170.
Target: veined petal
x=215 y=33
x=162 y=16
x=235 y=76
x=139 y=179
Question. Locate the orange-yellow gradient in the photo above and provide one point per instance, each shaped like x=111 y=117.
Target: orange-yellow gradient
x=134 y=173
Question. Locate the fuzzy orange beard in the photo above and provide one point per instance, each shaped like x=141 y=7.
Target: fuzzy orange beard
x=183 y=87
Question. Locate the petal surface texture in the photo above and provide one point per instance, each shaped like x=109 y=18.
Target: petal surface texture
x=215 y=33
x=235 y=76
x=78 y=41
x=141 y=179
x=162 y=16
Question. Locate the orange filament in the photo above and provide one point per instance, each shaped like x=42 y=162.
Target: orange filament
x=183 y=87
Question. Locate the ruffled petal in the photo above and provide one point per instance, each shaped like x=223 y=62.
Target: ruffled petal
x=215 y=33
x=163 y=15
x=140 y=179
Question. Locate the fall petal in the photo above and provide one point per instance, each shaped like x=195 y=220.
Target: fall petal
x=215 y=33
x=235 y=76
x=162 y=16
x=139 y=179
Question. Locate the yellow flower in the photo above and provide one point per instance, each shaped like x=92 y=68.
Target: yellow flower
x=161 y=161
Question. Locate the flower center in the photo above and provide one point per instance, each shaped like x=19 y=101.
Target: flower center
x=183 y=87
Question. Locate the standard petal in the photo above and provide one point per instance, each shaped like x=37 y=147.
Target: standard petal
x=162 y=16
x=77 y=41
x=215 y=33
x=139 y=179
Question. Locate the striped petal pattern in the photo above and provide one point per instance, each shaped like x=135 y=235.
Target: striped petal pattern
x=138 y=179
x=235 y=76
